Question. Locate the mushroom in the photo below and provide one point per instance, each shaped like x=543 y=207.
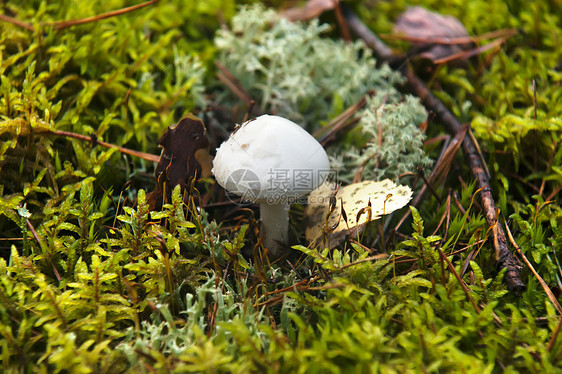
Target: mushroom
x=274 y=162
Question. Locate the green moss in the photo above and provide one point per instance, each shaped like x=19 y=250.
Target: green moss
x=90 y=283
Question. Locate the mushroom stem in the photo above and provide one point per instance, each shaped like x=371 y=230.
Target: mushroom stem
x=274 y=226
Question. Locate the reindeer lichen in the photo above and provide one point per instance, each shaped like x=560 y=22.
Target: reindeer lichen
x=394 y=146
x=291 y=70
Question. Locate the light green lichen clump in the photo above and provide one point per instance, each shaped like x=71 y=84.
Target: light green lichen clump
x=290 y=70
x=394 y=143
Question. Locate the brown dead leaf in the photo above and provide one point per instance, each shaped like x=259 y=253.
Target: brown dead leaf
x=423 y=27
x=357 y=205
x=312 y=9
x=205 y=160
x=185 y=155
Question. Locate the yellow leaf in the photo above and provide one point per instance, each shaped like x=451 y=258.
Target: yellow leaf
x=362 y=202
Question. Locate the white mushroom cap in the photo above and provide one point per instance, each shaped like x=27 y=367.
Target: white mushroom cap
x=270 y=159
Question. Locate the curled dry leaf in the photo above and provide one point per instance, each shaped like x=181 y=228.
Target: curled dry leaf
x=332 y=213
x=424 y=27
x=185 y=155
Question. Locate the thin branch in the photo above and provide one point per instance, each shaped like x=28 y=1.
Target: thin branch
x=473 y=52
x=229 y=80
x=341 y=21
x=555 y=335
x=16 y=22
x=505 y=33
x=59 y=25
x=504 y=258
x=36 y=236
x=459 y=279
x=366 y=259
x=448 y=151
x=543 y=284
x=131 y=152
x=326 y=133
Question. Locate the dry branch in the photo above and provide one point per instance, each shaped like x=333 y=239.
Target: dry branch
x=93 y=140
x=543 y=284
x=446 y=40
x=59 y=25
x=504 y=257
x=16 y=22
x=230 y=81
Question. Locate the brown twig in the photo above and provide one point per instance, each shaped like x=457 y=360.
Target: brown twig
x=504 y=258
x=341 y=21
x=479 y=153
x=429 y=186
x=131 y=152
x=448 y=150
x=459 y=279
x=473 y=52
x=505 y=33
x=366 y=259
x=16 y=22
x=226 y=77
x=32 y=229
x=543 y=284
x=59 y=25
x=446 y=216
x=344 y=119
x=555 y=334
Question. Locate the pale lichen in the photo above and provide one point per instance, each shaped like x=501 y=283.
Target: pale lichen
x=394 y=144
x=289 y=69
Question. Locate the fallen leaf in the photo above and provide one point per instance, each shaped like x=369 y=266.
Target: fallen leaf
x=185 y=155
x=332 y=214
x=423 y=27
x=205 y=160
